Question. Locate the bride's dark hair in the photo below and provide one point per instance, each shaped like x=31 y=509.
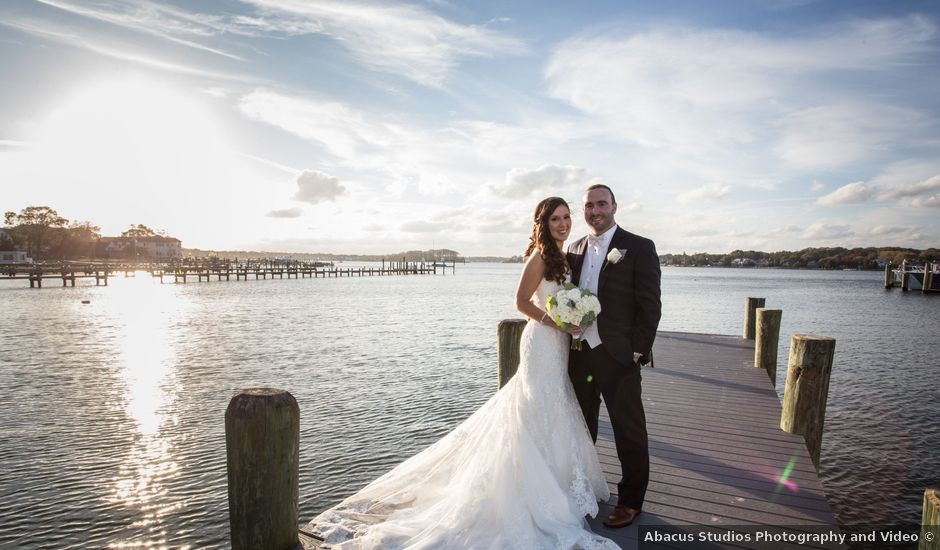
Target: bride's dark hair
x=555 y=264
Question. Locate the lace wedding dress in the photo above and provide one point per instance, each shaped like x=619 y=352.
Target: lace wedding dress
x=521 y=472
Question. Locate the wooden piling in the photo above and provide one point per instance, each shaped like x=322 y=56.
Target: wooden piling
x=509 y=332
x=905 y=280
x=930 y=520
x=750 y=315
x=889 y=276
x=928 y=278
x=262 y=441
x=807 y=389
x=767 y=340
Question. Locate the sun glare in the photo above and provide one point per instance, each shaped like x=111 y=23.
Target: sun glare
x=141 y=145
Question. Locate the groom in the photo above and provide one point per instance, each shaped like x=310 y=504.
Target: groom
x=627 y=284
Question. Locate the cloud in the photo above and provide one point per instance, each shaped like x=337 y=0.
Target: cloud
x=925 y=187
x=831 y=136
x=824 y=231
x=49 y=30
x=548 y=178
x=888 y=230
x=402 y=39
x=702 y=91
x=285 y=213
x=401 y=156
x=932 y=201
x=701 y=232
x=851 y=193
x=315 y=187
x=817 y=186
x=14 y=144
x=155 y=19
x=421 y=226
x=709 y=192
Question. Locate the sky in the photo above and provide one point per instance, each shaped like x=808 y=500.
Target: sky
x=375 y=127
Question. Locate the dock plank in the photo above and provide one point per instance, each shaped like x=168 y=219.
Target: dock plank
x=718 y=457
x=717 y=452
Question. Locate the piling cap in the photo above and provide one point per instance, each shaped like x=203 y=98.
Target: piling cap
x=813 y=337
x=258 y=402
x=260 y=392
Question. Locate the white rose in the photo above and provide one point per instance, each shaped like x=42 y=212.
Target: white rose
x=614 y=256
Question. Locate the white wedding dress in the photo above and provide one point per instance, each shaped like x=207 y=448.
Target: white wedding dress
x=521 y=472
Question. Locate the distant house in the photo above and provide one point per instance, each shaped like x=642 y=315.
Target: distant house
x=742 y=262
x=152 y=248
x=15 y=257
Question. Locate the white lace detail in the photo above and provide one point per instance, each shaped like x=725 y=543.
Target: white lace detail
x=521 y=472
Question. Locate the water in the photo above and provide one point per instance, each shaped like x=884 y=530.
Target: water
x=112 y=431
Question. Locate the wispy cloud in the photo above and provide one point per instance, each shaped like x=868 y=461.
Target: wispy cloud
x=12 y=143
x=548 y=178
x=402 y=39
x=716 y=90
x=914 y=189
x=285 y=213
x=826 y=231
x=68 y=37
x=931 y=201
x=711 y=192
x=153 y=18
x=465 y=156
x=421 y=226
x=889 y=230
x=835 y=135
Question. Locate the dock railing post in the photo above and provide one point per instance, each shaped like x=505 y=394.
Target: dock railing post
x=750 y=315
x=930 y=521
x=807 y=389
x=767 y=341
x=262 y=440
x=509 y=333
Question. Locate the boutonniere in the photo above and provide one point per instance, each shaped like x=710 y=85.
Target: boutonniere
x=614 y=256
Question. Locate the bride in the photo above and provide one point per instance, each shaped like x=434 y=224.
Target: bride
x=520 y=472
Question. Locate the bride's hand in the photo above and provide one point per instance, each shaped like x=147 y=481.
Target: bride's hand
x=574 y=331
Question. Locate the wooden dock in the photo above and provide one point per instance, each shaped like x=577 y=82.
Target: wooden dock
x=719 y=459
x=183 y=272
x=906 y=277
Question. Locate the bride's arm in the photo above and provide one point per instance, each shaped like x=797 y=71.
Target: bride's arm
x=532 y=275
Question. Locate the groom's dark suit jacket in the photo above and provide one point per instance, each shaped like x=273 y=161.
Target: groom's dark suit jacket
x=628 y=292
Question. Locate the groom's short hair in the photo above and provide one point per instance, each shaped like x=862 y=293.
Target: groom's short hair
x=613 y=200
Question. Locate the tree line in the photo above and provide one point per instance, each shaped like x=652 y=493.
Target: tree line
x=44 y=234
x=822 y=258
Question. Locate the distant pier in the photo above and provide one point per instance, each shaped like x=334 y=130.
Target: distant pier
x=199 y=271
x=908 y=277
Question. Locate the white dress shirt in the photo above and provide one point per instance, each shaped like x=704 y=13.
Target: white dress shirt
x=594 y=256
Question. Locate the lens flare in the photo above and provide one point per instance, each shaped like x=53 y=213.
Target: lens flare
x=784 y=479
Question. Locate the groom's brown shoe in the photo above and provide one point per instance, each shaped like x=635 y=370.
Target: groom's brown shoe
x=621 y=516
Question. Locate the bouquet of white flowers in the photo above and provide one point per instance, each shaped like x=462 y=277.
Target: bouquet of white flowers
x=573 y=306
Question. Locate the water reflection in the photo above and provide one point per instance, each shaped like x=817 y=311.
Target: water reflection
x=149 y=320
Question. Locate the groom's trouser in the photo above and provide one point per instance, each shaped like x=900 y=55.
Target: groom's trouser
x=595 y=373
